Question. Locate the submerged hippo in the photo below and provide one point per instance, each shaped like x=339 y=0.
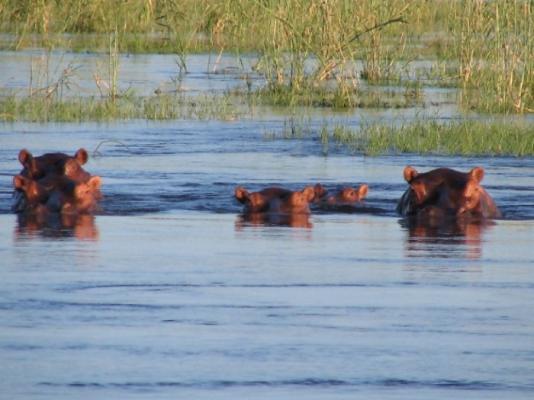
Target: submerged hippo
x=444 y=192
x=346 y=197
x=276 y=200
x=55 y=182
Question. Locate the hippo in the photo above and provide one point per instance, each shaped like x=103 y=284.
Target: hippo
x=276 y=200
x=55 y=182
x=38 y=167
x=345 y=197
x=444 y=192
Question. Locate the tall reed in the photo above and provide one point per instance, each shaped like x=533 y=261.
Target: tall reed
x=494 y=45
x=311 y=47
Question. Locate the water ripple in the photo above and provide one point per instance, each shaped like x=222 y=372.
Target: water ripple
x=303 y=382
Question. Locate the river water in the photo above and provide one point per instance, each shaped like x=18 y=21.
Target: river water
x=170 y=293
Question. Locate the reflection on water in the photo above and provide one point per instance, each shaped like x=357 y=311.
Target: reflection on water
x=273 y=219
x=189 y=305
x=444 y=238
x=32 y=225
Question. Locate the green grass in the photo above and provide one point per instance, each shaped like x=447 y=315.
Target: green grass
x=337 y=97
x=486 y=48
x=42 y=109
x=473 y=138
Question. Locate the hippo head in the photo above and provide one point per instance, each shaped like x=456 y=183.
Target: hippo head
x=84 y=198
x=29 y=193
x=425 y=186
x=298 y=202
x=353 y=195
x=472 y=194
x=253 y=201
x=37 y=167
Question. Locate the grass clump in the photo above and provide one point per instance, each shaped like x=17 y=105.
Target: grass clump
x=163 y=107
x=473 y=138
x=493 y=45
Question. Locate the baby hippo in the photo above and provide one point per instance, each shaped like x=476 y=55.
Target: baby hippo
x=346 y=197
x=444 y=192
x=276 y=200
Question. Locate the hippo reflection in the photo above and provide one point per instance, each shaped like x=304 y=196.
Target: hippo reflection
x=55 y=225
x=444 y=238
x=269 y=219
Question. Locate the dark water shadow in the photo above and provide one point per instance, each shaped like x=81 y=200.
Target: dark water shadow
x=55 y=226
x=445 y=238
x=273 y=219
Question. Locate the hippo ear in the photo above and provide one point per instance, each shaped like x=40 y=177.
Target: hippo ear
x=20 y=182
x=25 y=157
x=410 y=173
x=94 y=182
x=241 y=194
x=362 y=191
x=81 y=156
x=309 y=193
x=477 y=174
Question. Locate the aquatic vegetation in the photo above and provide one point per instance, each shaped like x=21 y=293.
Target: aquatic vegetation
x=337 y=98
x=315 y=53
x=43 y=109
x=467 y=137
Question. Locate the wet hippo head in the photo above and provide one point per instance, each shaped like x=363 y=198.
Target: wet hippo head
x=454 y=193
x=276 y=200
x=298 y=202
x=87 y=194
x=474 y=200
x=29 y=194
x=429 y=185
x=73 y=170
x=37 y=167
x=470 y=196
x=254 y=202
x=77 y=198
x=420 y=184
x=349 y=195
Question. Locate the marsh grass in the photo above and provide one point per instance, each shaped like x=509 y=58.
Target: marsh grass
x=338 y=98
x=42 y=109
x=486 y=48
x=474 y=138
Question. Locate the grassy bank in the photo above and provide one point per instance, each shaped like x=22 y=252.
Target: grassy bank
x=490 y=44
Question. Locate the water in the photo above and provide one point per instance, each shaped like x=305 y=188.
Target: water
x=170 y=293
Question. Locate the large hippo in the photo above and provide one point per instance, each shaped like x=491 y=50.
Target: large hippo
x=55 y=182
x=445 y=192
